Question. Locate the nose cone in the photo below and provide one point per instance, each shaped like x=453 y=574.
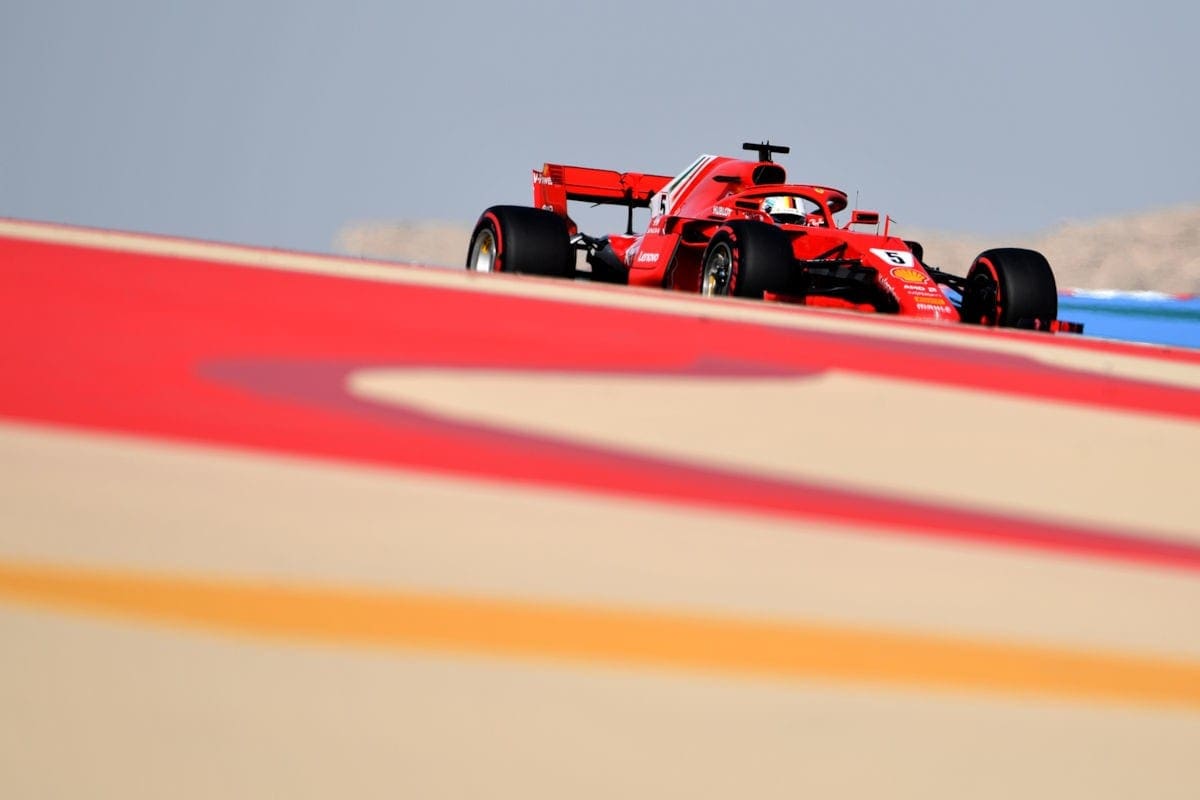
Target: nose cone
x=916 y=294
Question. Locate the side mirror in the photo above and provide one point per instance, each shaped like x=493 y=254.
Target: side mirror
x=864 y=217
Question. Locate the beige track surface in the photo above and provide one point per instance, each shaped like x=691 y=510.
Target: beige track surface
x=190 y=621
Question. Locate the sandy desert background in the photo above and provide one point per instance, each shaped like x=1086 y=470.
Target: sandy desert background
x=1153 y=250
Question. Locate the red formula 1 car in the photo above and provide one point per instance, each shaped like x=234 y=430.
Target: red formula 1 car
x=726 y=226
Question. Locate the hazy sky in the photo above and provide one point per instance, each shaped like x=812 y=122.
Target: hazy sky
x=275 y=123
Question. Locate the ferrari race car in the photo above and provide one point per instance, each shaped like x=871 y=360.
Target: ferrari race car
x=727 y=226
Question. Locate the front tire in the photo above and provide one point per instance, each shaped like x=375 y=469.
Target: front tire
x=1008 y=287
x=521 y=239
x=747 y=259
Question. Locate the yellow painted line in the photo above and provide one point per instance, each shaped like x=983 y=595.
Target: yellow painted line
x=741 y=647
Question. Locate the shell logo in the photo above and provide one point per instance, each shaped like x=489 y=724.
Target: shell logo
x=909 y=275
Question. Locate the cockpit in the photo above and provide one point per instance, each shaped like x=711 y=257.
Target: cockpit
x=793 y=209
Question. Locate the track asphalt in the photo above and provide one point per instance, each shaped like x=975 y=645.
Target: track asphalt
x=273 y=523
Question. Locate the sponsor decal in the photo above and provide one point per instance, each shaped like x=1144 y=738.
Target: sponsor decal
x=647 y=258
x=909 y=274
x=722 y=211
x=936 y=302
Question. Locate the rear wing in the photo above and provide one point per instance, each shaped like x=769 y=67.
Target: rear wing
x=555 y=184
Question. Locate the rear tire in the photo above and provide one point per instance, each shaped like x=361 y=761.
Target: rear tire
x=521 y=239
x=746 y=259
x=1007 y=286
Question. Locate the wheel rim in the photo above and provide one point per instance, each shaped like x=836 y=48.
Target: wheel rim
x=987 y=287
x=717 y=269
x=483 y=252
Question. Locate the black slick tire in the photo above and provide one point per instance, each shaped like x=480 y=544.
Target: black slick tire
x=521 y=239
x=1010 y=287
x=747 y=259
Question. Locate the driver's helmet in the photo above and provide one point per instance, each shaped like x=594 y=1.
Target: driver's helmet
x=785 y=209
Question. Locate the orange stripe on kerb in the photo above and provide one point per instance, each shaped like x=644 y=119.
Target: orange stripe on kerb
x=509 y=628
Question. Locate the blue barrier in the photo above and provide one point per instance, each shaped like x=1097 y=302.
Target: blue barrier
x=1151 y=317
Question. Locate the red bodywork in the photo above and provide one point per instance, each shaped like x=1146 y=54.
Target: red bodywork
x=689 y=209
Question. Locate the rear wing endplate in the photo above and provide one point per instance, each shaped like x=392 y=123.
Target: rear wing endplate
x=555 y=184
